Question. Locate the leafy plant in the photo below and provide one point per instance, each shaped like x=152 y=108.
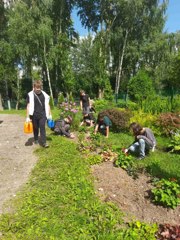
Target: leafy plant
x=124 y=160
x=175 y=142
x=139 y=230
x=94 y=159
x=140 y=86
x=166 y=193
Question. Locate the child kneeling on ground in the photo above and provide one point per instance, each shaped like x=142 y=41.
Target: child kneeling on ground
x=62 y=127
x=144 y=140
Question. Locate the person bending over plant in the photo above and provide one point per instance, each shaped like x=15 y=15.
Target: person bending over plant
x=144 y=140
x=62 y=127
x=103 y=124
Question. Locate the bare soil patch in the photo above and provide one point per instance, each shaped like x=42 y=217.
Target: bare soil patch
x=16 y=157
x=115 y=185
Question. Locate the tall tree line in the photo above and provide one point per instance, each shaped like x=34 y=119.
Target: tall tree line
x=38 y=38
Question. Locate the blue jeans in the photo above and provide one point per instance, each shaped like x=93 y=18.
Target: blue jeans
x=139 y=147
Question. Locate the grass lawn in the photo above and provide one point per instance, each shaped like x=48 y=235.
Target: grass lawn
x=59 y=201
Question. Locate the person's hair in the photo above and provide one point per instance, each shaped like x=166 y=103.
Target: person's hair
x=81 y=92
x=136 y=128
x=37 y=84
x=70 y=119
x=100 y=116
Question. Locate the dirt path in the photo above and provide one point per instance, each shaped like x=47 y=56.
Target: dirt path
x=16 y=157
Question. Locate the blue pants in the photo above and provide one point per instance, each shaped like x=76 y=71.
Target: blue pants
x=139 y=147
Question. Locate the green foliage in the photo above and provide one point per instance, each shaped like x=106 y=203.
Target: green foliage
x=120 y=118
x=108 y=93
x=102 y=104
x=166 y=193
x=59 y=202
x=175 y=142
x=51 y=103
x=156 y=104
x=70 y=98
x=124 y=160
x=140 y=87
x=146 y=119
x=60 y=98
x=127 y=104
x=139 y=230
x=94 y=159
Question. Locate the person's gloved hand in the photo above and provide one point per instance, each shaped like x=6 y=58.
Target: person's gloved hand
x=28 y=119
x=50 y=117
x=125 y=150
x=72 y=135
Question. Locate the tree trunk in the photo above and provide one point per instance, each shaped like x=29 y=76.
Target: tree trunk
x=101 y=93
x=47 y=71
x=119 y=70
x=18 y=92
x=1 y=106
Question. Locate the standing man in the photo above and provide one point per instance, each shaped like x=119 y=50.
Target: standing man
x=38 y=111
x=84 y=102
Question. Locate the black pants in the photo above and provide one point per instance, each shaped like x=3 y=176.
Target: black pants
x=39 y=123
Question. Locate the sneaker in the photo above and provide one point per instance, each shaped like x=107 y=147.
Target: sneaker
x=45 y=145
x=141 y=158
x=36 y=142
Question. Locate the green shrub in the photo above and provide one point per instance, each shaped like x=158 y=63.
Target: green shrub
x=139 y=230
x=94 y=159
x=166 y=193
x=156 y=104
x=60 y=98
x=175 y=142
x=127 y=104
x=124 y=161
x=102 y=104
x=51 y=103
x=140 y=87
x=120 y=119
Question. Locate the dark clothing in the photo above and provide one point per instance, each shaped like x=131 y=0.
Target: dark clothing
x=61 y=127
x=88 y=118
x=85 y=101
x=105 y=121
x=39 y=105
x=39 y=124
x=103 y=124
x=38 y=117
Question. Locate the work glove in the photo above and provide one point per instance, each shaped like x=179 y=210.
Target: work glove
x=50 y=117
x=28 y=119
x=125 y=150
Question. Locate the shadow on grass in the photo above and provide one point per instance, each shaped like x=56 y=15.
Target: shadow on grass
x=155 y=170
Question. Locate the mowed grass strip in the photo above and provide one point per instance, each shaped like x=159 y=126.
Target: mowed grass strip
x=59 y=201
